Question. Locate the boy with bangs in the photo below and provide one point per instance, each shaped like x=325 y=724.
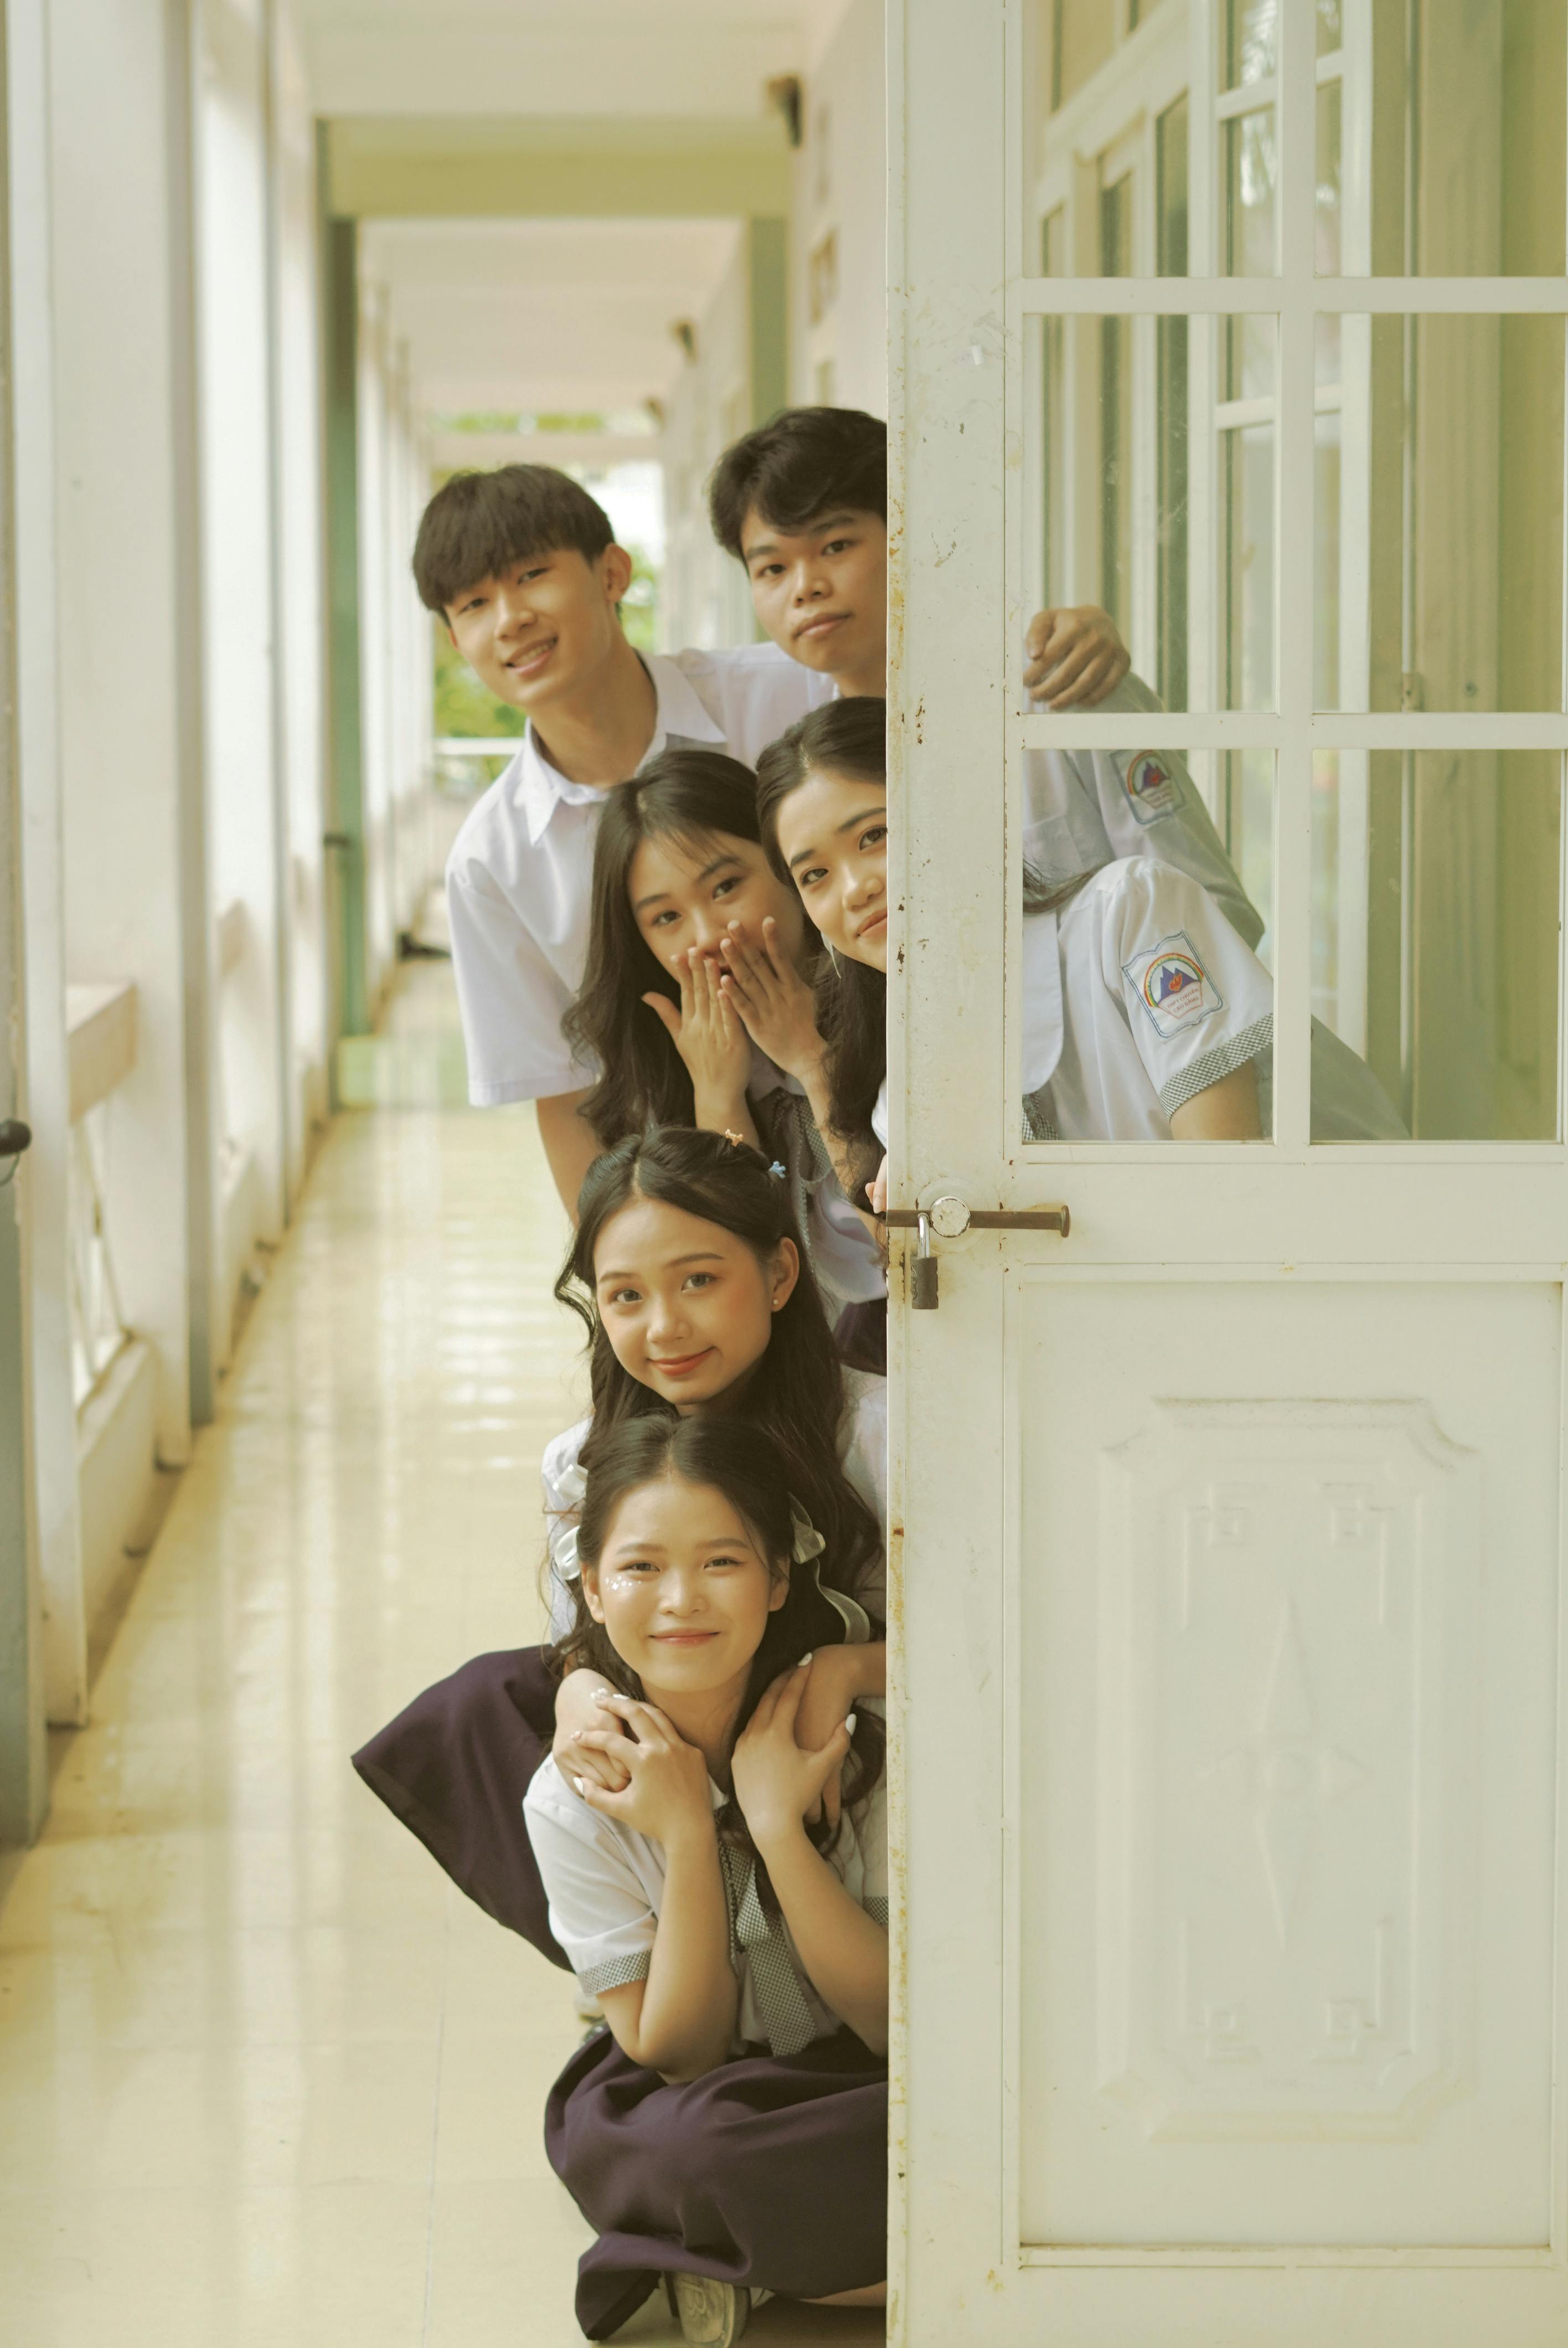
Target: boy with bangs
x=522 y=566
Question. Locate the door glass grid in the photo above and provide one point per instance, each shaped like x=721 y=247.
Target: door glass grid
x=1429 y=584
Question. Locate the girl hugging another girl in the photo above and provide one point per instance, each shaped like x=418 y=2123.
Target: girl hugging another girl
x=688 y=1270
x=727 y=2132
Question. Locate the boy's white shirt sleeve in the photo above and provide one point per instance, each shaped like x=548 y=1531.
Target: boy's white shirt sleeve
x=1083 y=805
x=511 y=1000
x=599 y=1910
x=1197 y=1000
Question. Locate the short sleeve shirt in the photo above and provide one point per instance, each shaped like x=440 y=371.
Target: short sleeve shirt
x=518 y=879
x=605 y=1885
x=1082 y=806
x=1138 y=993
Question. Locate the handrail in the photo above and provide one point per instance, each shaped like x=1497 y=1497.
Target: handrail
x=101 y=1034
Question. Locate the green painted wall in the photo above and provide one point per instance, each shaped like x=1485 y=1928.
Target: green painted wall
x=345 y=829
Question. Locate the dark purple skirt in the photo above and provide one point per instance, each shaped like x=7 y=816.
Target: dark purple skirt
x=770 y=2170
x=455 y=1766
x=860 y=1334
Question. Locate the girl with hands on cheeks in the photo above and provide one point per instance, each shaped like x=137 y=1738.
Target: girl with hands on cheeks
x=697 y=1006
x=728 y=2130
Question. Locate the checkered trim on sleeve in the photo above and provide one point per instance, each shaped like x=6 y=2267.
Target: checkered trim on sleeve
x=616 y=1972
x=1213 y=1065
x=877 y=1910
x=1039 y=1122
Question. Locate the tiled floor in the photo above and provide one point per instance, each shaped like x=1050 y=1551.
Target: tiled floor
x=266 y=2081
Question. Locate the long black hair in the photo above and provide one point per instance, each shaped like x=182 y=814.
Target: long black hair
x=740 y=1460
x=846 y=738
x=795 y=1393
x=693 y=797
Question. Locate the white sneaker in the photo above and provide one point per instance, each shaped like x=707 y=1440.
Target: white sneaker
x=712 y=2314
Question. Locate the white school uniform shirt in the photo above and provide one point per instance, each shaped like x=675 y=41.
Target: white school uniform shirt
x=862 y=1455
x=605 y=1885
x=1137 y=994
x=1083 y=807
x=518 y=879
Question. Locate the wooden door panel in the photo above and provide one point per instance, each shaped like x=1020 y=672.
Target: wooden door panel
x=1287 y=1603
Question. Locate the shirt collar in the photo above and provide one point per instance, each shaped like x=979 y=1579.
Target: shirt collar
x=539 y=788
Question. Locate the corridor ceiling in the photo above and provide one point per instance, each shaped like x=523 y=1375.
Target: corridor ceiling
x=554 y=315
x=545 y=190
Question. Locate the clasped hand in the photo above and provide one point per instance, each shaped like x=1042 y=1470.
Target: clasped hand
x=774 y=1000
x=778 y=1781
x=643 y=1772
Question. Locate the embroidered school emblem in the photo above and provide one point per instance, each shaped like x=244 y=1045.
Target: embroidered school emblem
x=1152 y=790
x=1173 y=985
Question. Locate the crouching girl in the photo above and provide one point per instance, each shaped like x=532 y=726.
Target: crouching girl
x=727 y=2133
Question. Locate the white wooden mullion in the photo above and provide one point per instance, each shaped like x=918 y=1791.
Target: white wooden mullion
x=1294 y=542
x=1242 y=729
x=1265 y=296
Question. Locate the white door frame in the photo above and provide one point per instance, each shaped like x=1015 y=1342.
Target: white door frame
x=962 y=312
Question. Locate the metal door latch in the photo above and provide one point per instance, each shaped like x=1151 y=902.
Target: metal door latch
x=948 y=1219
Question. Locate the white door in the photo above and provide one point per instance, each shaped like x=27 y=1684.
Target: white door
x=1230 y=1635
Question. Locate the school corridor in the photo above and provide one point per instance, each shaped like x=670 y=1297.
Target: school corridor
x=264 y=2076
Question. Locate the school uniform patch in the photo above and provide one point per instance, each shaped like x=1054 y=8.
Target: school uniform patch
x=1152 y=790
x=1173 y=985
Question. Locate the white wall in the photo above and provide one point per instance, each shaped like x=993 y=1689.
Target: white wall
x=402 y=856
x=839 y=190
x=704 y=599
x=121 y=590
x=238 y=590
x=300 y=614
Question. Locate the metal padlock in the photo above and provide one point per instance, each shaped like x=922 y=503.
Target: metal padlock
x=923 y=1295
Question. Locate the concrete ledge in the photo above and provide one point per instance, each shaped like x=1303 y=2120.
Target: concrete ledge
x=116 y=1468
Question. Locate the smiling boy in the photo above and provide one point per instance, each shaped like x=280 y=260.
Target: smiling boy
x=522 y=566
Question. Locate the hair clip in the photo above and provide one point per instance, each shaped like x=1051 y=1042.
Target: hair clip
x=778 y=1171
x=734 y=1139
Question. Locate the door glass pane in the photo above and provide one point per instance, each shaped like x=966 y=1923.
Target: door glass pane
x=1439 y=536
x=1452 y=125
x=1155 y=479
x=1089 y=102
x=1244 y=466
x=1249 y=169
x=1147 y=995
x=1436 y=879
x=1250 y=50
